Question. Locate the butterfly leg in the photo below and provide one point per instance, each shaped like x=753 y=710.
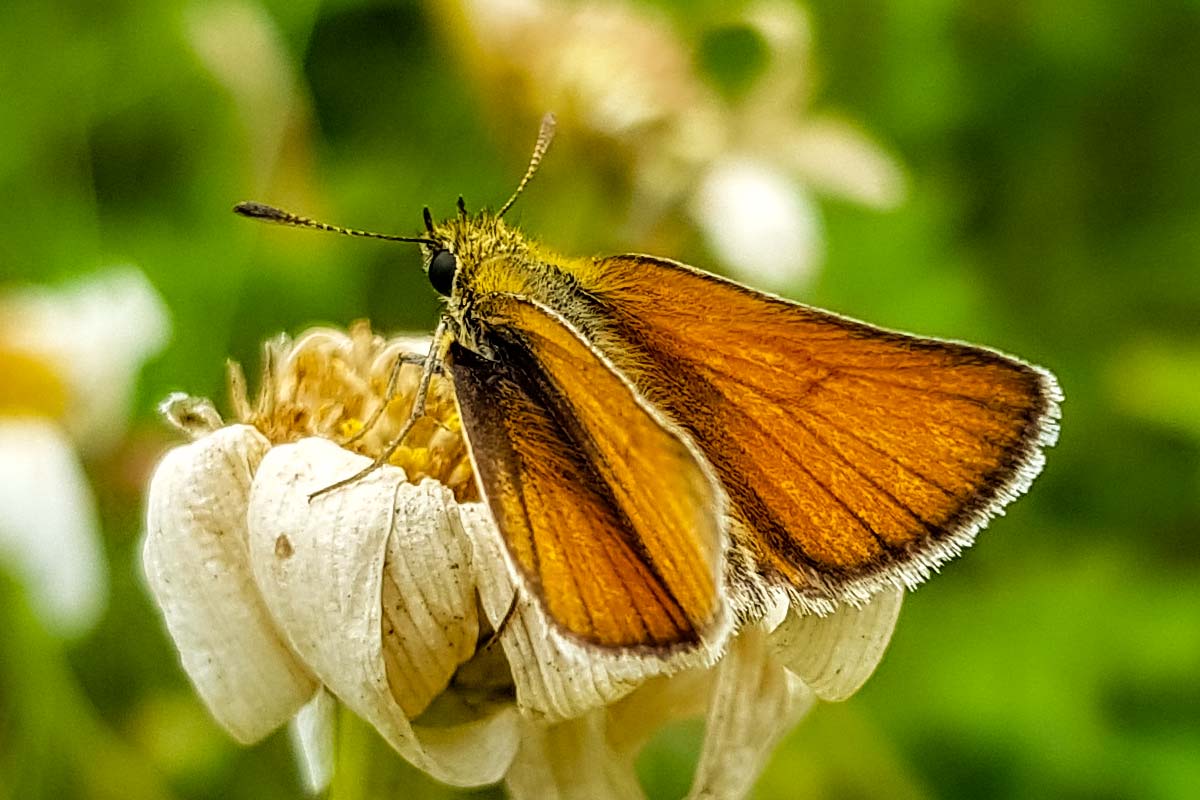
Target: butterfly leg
x=503 y=625
x=388 y=394
x=432 y=361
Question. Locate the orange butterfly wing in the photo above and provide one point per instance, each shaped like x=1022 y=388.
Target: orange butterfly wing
x=612 y=518
x=852 y=456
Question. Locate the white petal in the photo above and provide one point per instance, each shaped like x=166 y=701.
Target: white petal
x=321 y=568
x=48 y=528
x=834 y=156
x=406 y=343
x=554 y=678
x=430 y=614
x=759 y=222
x=312 y=733
x=195 y=417
x=836 y=654
x=755 y=702
x=97 y=332
x=497 y=22
x=244 y=49
x=196 y=562
x=636 y=718
x=572 y=760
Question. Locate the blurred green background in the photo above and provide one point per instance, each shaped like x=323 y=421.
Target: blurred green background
x=1052 y=155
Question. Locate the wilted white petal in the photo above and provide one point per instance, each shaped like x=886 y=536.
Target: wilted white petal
x=554 y=679
x=321 y=568
x=638 y=716
x=194 y=417
x=786 y=82
x=572 y=760
x=97 y=333
x=759 y=222
x=609 y=67
x=429 y=611
x=312 y=733
x=241 y=45
x=755 y=702
x=836 y=654
x=786 y=28
x=406 y=343
x=834 y=156
x=498 y=21
x=244 y=49
x=48 y=528
x=197 y=566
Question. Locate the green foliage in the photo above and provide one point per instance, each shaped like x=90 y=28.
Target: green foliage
x=1054 y=212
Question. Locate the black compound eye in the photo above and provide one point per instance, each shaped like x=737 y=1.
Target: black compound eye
x=441 y=271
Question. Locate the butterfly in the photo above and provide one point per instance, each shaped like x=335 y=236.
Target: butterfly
x=660 y=446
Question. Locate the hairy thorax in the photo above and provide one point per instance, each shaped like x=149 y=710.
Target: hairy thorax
x=495 y=259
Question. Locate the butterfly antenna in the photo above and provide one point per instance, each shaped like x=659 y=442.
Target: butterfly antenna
x=545 y=136
x=266 y=213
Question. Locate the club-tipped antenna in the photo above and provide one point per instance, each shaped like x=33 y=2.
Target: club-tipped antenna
x=266 y=213
x=545 y=136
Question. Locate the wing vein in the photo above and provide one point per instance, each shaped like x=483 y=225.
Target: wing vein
x=812 y=477
x=993 y=407
x=899 y=503
x=829 y=383
x=912 y=471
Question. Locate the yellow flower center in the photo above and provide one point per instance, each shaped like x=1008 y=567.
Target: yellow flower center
x=332 y=385
x=30 y=386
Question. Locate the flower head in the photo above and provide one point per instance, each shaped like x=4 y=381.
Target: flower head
x=746 y=166
x=395 y=595
x=69 y=358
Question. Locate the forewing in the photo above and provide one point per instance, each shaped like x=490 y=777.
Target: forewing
x=611 y=516
x=853 y=456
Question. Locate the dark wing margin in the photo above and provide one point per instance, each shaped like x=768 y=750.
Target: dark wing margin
x=853 y=457
x=610 y=515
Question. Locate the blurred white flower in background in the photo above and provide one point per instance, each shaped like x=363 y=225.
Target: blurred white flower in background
x=247 y=54
x=387 y=594
x=69 y=360
x=758 y=222
x=746 y=168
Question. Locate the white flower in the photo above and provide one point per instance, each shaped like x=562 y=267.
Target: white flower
x=69 y=359
x=760 y=221
x=247 y=54
x=387 y=593
x=747 y=168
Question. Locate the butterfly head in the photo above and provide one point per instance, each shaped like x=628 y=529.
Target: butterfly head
x=465 y=241
x=458 y=246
